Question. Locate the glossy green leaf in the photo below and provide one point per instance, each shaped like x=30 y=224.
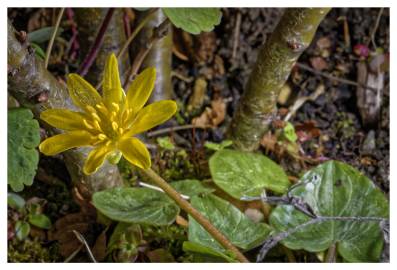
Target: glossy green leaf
x=43 y=34
x=206 y=254
x=289 y=132
x=246 y=174
x=22 y=229
x=191 y=187
x=38 y=50
x=23 y=138
x=194 y=20
x=15 y=201
x=336 y=189
x=239 y=229
x=136 y=205
x=40 y=220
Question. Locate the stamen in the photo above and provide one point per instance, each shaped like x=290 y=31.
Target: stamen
x=114 y=126
x=90 y=109
x=102 y=108
x=102 y=137
x=121 y=131
x=96 y=124
x=87 y=125
x=96 y=117
x=116 y=106
x=108 y=142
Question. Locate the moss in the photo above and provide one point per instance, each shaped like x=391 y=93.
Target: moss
x=170 y=238
x=30 y=250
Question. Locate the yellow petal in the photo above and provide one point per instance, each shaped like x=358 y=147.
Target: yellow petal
x=82 y=92
x=63 y=142
x=96 y=158
x=151 y=116
x=112 y=90
x=135 y=152
x=140 y=89
x=63 y=119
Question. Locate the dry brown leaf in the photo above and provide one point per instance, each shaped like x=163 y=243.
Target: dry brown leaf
x=318 y=63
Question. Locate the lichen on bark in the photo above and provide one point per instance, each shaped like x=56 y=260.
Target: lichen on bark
x=276 y=58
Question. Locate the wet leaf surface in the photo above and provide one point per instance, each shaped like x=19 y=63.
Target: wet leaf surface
x=246 y=174
x=239 y=229
x=335 y=189
x=136 y=205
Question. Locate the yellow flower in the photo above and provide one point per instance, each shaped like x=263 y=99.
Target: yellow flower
x=108 y=123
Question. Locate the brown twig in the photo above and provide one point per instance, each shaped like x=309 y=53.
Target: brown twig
x=236 y=35
x=136 y=32
x=54 y=34
x=333 y=78
x=158 y=33
x=171 y=129
x=203 y=221
x=89 y=59
x=372 y=33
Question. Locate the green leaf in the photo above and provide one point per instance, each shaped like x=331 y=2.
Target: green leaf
x=336 y=189
x=23 y=138
x=43 y=34
x=136 y=205
x=289 y=132
x=218 y=146
x=246 y=174
x=191 y=187
x=239 y=229
x=165 y=142
x=194 y=20
x=15 y=201
x=206 y=254
x=40 y=220
x=38 y=50
x=22 y=229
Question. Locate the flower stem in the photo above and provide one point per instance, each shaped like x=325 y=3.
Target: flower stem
x=186 y=206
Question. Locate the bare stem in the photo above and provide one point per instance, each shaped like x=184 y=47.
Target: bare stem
x=54 y=34
x=203 y=221
x=89 y=59
x=136 y=32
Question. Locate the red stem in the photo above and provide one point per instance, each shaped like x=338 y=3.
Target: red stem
x=89 y=59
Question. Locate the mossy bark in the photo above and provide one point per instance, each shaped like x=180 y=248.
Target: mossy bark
x=276 y=58
x=29 y=82
x=159 y=56
x=89 y=21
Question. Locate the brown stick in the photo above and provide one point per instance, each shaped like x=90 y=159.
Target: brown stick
x=203 y=221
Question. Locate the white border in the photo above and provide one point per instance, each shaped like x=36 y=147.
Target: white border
x=203 y=3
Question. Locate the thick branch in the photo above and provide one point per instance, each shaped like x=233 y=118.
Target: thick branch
x=29 y=82
x=275 y=60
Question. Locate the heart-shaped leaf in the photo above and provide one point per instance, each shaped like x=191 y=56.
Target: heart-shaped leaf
x=194 y=20
x=335 y=189
x=239 y=229
x=246 y=174
x=136 y=205
x=23 y=137
x=191 y=187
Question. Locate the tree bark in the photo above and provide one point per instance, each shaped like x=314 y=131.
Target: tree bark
x=159 y=56
x=276 y=58
x=36 y=88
